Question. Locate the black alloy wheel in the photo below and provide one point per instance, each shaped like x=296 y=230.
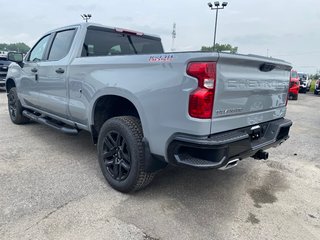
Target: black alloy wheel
x=12 y=105
x=116 y=156
x=121 y=154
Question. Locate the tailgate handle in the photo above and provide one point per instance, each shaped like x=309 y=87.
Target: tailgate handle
x=267 y=67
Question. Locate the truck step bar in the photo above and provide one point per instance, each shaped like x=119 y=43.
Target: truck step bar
x=43 y=120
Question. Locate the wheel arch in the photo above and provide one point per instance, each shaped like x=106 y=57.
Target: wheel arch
x=10 y=83
x=113 y=104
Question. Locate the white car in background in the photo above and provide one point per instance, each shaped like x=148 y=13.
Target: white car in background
x=305 y=82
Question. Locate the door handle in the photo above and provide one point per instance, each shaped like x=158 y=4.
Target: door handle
x=59 y=70
x=34 y=70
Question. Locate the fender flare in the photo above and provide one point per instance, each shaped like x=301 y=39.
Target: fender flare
x=120 y=93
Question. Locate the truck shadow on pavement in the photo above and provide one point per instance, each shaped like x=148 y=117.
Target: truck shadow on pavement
x=197 y=201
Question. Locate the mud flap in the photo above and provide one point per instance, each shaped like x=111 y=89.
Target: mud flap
x=152 y=163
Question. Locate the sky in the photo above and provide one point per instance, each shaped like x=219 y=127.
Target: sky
x=285 y=29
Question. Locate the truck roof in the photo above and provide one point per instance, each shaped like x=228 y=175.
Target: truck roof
x=88 y=24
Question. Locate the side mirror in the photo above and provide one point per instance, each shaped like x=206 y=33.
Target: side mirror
x=15 y=57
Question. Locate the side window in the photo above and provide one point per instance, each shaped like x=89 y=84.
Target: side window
x=146 y=46
x=37 y=53
x=61 y=45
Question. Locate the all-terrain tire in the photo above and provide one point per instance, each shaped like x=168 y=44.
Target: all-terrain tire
x=120 y=148
x=15 y=108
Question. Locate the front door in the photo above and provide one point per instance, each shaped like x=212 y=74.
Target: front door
x=53 y=75
x=28 y=91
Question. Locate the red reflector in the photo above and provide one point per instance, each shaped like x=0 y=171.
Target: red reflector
x=201 y=99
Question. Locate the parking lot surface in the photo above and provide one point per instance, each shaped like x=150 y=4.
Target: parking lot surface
x=52 y=188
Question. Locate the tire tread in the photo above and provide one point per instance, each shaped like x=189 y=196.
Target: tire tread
x=20 y=119
x=144 y=178
x=133 y=127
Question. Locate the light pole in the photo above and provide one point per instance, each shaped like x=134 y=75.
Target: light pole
x=217 y=8
x=86 y=17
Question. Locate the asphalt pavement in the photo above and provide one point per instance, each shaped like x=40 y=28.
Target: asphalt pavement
x=52 y=188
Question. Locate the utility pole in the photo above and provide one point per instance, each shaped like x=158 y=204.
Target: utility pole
x=174 y=35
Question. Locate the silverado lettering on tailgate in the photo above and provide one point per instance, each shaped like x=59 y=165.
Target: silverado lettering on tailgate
x=251 y=83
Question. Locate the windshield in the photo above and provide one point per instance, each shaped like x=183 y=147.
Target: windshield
x=302 y=75
x=294 y=74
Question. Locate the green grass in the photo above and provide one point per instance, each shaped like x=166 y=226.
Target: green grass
x=313 y=83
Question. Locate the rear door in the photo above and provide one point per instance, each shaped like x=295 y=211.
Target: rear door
x=249 y=90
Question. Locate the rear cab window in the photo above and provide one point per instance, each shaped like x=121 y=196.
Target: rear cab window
x=294 y=74
x=107 y=42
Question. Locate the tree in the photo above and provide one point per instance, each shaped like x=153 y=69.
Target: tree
x=18 y=47
x=220 y=48
x=315 y=76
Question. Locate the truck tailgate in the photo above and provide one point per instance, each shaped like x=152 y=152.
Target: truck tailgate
x=249 y=90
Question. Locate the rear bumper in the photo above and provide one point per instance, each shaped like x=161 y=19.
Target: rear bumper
x=217 y=150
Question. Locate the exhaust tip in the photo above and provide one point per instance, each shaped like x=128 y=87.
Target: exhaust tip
x=230 y=164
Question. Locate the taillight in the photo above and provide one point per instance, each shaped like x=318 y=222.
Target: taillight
x=201 y=99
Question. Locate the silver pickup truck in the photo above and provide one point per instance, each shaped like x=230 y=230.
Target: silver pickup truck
x=146 y=108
